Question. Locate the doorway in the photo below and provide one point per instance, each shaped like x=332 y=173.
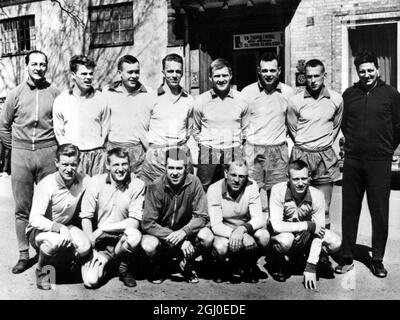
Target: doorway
x=245 y=64
x=378 y=38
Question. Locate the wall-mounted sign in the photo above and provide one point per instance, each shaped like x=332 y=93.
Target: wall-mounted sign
x=257 y=40
x=301 y=74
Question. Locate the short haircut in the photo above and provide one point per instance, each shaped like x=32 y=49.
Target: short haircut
x=177 y=154
x=365 y=57
x=69 y=150
x=118 y=152
x=297 y=165
x=269 y=56
x=172 y=57
x=127 y=59
x=27 y=57
x=218 y=64
x=314 y=63
x=237 y=162
x=81 y=59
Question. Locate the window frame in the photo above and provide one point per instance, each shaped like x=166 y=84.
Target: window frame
x=32 y=41
x=92 y=9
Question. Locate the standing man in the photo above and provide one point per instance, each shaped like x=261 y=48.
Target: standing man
x=238 y=223
x=266 y=149
x=26 y=126
x=129 y=101
x=298 y=224
x=81 y=117
x=111 y=211
x=174 y=215
x=314 y=118
x=220 y=121
x=169 y=120
x=54 y=206
x=371 y=127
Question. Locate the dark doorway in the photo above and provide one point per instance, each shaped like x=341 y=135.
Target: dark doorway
x=245 y=64
x=381 y=39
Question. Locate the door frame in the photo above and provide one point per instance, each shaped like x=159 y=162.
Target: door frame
x=346 y=47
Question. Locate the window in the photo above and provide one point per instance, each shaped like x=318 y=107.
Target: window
x=111 y=25
x=17 y=35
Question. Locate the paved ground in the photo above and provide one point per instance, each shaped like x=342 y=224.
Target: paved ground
x=360 y=284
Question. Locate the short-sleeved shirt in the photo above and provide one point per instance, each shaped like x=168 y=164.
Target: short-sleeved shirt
x=106 y=203
x=220 y=123
x=315 y=123
x=82 y=121
x=246 y=208
x=267 y=113
x=53 y=202
x=170 y=123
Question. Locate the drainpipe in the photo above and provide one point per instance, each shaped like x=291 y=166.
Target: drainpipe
x=187 y=54
x=171 y=23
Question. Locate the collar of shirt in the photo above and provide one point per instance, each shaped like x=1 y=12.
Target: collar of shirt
x=41 y=85
x=182 y=92
x=123 y=185
x=215 y=95
x=225 y=193
x=277 y=88
x=324 y=93
x=89 y=94
x=168 y=186
x=117 y=87
x=289 y=196
x=61 y=183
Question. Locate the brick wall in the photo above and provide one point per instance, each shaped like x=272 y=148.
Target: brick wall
x=323 y=40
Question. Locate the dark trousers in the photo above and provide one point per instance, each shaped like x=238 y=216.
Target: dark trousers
x=28 y=167
x=374 y=178
x=211 y=162
x=5 y=155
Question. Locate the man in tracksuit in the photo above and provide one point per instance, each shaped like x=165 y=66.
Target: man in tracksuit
x=175 y=213
x=26 y=126
x=371 y=127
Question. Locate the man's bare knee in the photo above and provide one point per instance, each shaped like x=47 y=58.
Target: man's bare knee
x=206 y=237
x=49 y=248
x=283 y=242
x=331 y=241
x=84 y=248
x=149 y=245
x=133 y=237
x=221 y=246
x=262 y=237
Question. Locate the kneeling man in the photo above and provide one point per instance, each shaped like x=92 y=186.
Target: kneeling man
x=174 y=215
x=54 y=204
x=238 y=223
x=298 y=222
x=111 y=212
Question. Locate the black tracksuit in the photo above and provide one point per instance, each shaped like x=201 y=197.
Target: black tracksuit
x=371 y=126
